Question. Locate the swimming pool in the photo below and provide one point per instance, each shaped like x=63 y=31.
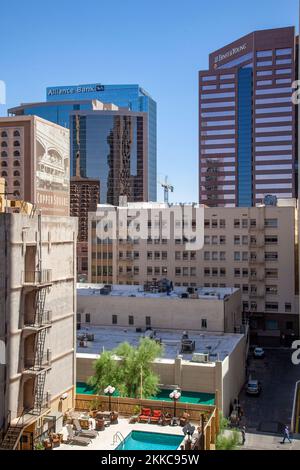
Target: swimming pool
x=139 y=440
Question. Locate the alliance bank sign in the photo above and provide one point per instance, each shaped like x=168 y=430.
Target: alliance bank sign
x=80 y=89
x=232 y=52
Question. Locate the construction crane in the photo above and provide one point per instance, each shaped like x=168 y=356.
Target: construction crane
x=168 y=188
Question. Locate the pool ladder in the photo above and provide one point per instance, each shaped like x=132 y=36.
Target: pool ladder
x=118 y=436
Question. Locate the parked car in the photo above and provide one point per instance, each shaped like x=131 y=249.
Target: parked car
x=253 y=387
x=259 y=353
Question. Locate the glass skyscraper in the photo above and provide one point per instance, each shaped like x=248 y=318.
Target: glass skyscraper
x=247 y=121
x=112 y=147
x=132 y=97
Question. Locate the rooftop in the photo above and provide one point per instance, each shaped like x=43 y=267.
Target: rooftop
x=138 y=291
x=219 y=346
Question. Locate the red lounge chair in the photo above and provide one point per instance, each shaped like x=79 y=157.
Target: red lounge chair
x=156 y=416
x=145 y=415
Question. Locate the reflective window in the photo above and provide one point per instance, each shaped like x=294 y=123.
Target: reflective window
x=218 y=141
x=283 y=71
x=219 y=132
x=273 y=177
x=4 y=134
x=227 y=77
x=264 y=63
x=283 y=109
x=218 y=123
x=219 y=114
x=16 y=134
x=283 y=61
x=4 y=154
x=280 y=52
x=285 y=99
x=274 y=119
x=282 y=81
x=238 y=61
x=262 y=158
x=210 y=96
x=227 y=85
x=271 y=91
x=273 y=129
x=274 y=138
x=209 y=78
x=223 y=150
x=264 y=73
x=224 y=104
x=278 y=186
x=209 y=87
x=274 y=148
x=264 y=54
x=264 y=82
x=274 y=167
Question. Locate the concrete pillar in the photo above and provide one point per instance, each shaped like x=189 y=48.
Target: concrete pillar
x=177 y=372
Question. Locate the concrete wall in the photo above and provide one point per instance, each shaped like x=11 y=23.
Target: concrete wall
x=59 y=255
x=226 y=377
x=165 y=312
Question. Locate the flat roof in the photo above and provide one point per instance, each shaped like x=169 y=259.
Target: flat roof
x=204 y=293
x=219 y=346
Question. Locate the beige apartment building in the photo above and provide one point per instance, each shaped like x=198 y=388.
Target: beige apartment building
x=37 y=323
x=253 y=249
x=35 y=162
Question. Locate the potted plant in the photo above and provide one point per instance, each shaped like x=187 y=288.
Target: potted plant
x=94 y=407
x=136 y=413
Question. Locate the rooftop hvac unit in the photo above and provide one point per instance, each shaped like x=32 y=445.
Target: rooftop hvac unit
x=201 y=358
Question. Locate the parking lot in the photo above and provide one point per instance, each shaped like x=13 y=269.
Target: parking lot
x=269 y=412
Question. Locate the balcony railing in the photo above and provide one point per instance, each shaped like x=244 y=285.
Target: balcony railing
x=34 y=365
x=39 y=320
x=35 y=278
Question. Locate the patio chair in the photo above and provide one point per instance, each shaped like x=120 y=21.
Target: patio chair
x=100 y=424
x=84 y=432
x=185 y=418
x=114 y=417
x=156 y=417
x=76 y=440
x=166 y=419
x=144 y=416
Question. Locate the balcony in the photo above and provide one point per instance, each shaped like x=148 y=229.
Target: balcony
x=41 y=278
x=256 y=295
x=31 y=367
x=38 y=322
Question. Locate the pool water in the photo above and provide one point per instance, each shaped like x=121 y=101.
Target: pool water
x=139 y=440
x=163 y=395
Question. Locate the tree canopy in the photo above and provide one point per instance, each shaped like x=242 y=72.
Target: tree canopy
x=128 y=369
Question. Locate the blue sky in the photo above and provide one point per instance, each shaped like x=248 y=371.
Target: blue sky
x=160 y=44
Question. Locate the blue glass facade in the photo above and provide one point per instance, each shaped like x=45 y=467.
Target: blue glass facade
x=245 y=132
x=132 y=97
x=60 y=114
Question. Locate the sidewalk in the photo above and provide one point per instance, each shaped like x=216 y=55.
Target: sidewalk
x=267 y=442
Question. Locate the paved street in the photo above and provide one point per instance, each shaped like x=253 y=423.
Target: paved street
x=269 y=412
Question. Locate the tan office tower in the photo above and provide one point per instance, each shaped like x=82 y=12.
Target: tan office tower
x=37 y=323
x=246 y=248
x=35 y=162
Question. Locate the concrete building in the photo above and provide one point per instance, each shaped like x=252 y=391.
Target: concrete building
x=247 y=121
x=214 y=310
x=37 y=324
x=218 y=363
x=246 y=248
x=35 y=162
x=84 y=197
